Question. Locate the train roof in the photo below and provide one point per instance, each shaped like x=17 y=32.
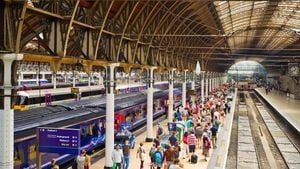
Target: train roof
x=51 y=115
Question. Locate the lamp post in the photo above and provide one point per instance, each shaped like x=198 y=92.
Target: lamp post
x=198 y=72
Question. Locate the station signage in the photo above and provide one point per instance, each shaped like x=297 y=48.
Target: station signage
x=172 y=127
x=61 y=141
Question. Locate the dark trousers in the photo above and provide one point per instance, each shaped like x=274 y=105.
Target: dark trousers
x=142 y=165
x=119 y=165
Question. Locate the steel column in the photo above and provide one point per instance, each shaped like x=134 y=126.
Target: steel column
x=7 y=113
x=150 y=84
x=171 y=96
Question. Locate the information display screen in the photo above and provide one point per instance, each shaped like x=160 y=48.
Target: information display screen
x=172 y=126
x=61 y=141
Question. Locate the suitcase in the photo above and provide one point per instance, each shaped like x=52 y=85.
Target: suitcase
x=194 y=159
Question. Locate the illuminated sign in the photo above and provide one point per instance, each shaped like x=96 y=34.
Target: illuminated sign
x=62 y=141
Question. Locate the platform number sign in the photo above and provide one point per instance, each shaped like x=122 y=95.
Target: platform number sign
x=172 y=126
x=61 y=141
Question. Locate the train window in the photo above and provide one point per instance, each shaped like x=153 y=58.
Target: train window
x=18 y=156
x=32 y=151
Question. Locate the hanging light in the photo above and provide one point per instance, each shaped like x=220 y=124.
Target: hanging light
x=198 y=68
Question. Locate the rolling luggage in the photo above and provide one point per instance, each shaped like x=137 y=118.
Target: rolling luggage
x=194 y=159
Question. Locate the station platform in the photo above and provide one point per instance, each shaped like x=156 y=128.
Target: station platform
x=287 y=107
x=217 y=158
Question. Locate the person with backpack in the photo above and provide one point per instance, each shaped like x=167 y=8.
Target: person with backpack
x=185 y=146
x=206 y=146
x=141 y=154
x=169 y=155
x=158 y=158
x=160 y=130
x=199 y=133
x=151 y=155
x=214 y=132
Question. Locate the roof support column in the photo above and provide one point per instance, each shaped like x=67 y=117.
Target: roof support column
x=7 y=111
x=193 y=81
x=210 y=82
x=171 y=96
x=54 y=80
x=184 y=89
x=110 y=114
x=206 y=84
x=202 y=86
x=150 y=84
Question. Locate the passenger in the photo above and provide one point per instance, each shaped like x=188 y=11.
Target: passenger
x=177 y=149
x=80 y=160
x=192 y=141
x=173 y=139
x=206 y=146
x=53 y=164
x=126 y=154
x=199 y=133
x=159 y=130
x=151 y=155
x=141 y=154
x=185 y=146
x=158 y=158
x=156 y=141
x=117 y=157
x=176 y=165
x=169 y=155
x=87 y=163
x=214 y=132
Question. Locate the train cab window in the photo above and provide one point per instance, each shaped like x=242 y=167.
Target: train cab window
x=22 y=100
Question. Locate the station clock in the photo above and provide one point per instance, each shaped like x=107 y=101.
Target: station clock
x=293 y=69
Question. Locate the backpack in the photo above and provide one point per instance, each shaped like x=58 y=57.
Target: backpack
x=199 y=131
x=158 y=157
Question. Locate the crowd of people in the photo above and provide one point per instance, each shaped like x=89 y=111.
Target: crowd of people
x=202 y=118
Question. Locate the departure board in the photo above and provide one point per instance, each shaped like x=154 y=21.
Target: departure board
x=62 y=141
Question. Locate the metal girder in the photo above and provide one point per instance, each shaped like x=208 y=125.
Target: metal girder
x=70 y=26
x=125 y=27
x=101 y=29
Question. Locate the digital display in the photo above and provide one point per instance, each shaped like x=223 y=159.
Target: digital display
x=172 y=126
x=62 y=141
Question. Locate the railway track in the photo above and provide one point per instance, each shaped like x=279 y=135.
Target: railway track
x=252 y=144
x=286 y=146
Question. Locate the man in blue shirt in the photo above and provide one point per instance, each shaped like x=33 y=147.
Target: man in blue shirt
x=173 y=139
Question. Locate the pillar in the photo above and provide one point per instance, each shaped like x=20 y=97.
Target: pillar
x=54 y=80
x=37 y=78
x=202 y=86
x=206 y=84
x=150 y=84
x=21 y=77
x=110 y=114
x=65 y=76
x=210 y=82
x=171 y=97
x=74 y=79
x=184 y=89
x=89 y=79
x=193 y=81
x=7 y=112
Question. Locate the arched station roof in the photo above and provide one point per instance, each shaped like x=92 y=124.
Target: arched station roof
x=168 y=33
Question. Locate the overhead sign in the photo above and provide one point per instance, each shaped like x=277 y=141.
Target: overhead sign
x=75 y=90
x=61 y=141
x=172 y=126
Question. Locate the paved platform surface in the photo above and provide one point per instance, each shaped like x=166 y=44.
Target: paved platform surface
x=135 y=163
x=287 y=107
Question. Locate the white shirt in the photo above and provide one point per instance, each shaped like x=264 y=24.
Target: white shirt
x=80 y=162
x=117 y=156
x=174 y=166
